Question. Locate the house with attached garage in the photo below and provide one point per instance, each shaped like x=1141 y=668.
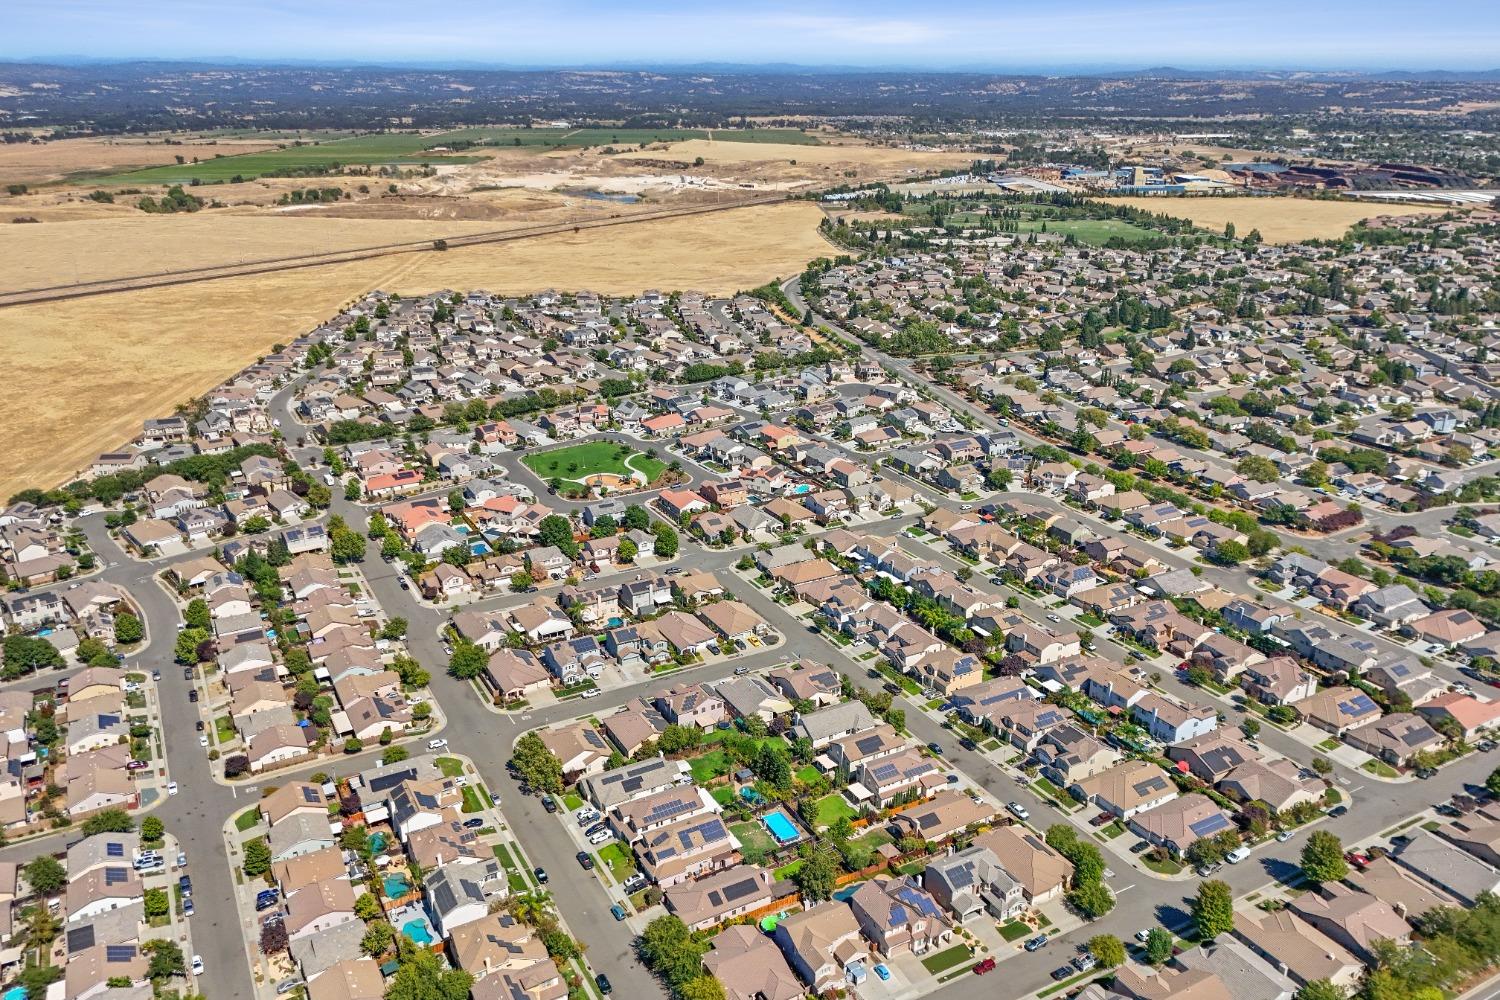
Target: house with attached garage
x=1126 y=789
x=972 y=882
x=1180 y=823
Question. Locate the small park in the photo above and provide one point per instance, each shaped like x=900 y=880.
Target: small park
x=607 y=466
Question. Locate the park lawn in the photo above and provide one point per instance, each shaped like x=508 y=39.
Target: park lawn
x=591 y=458
x=832 y=808
x=946 y=959
x=620 y=864
x=247 y=819
x=451 y=767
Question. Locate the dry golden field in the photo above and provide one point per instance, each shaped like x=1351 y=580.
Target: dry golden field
x=1280 y=220
x=884 y=158
x=36 y=163
x=85 y=372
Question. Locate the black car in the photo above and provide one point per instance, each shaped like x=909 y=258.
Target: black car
x=585 y=860
x=1426 y=772
x=1338 y=811
x=1062 y=972
x=936 y=748
x=605 y=986
x=200 y=725
x=968 y=744
x=541 y=875
x=1139 y=847
x=193 y=695
x=185 y=884
x=471 y=824
x=187 y=673
x=549 y=804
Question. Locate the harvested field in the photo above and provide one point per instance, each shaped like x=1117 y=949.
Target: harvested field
x=36 y=163
x=86 y=372
x=1280 y=220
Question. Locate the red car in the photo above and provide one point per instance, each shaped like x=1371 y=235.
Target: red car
x=988 y=965
x=1358 y=860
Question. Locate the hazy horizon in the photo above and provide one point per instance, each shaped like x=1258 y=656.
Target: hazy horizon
x=962 y=36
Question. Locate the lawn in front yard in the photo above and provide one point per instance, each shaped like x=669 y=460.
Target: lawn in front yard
x=614 y=857
x=1015 y=930
x=247 y=819
x=473 y=800
x=591 y=458
x=946 y=959
x=1167 y=867
x=451 y=767
x=1379 y=768
x=833 y=807
x=572 y=801
x=1328 y=746
x=224 y=729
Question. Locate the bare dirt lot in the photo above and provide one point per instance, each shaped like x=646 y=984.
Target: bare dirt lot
x=85 y=372
x=40 y=162
x=1280 y=220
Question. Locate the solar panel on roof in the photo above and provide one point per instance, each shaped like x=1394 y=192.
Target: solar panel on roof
x=310 y=795
x=1209 y=825
x=114 y=876
x=1357 y=705
x=119 y=952
x=881 y=772
x=114 y=849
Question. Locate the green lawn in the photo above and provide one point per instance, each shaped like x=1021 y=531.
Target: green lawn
x=831 y=808
x=1113 y=830
x=593 y=457
x=946 y=959
x=1328 y=746
x=473 y=800
x=314 y=155
x=502 y=854
x=1015 y=930
x=723 y=794
x=787 y=871
x=711 y=765
x=451 y=767
x=1161 y=867
x=572 y=801
x=614 y=857
x=754 y=839
x=224 y=729
x=807 y=774
x=1379 y=768
x=247 y=819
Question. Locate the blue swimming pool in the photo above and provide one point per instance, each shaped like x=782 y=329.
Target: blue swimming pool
x=417 y=931
x=780 y=826
x=396 y=886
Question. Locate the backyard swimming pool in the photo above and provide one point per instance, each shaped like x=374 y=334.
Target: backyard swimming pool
x=780 y=827
x=396 y=886
x=417 y=931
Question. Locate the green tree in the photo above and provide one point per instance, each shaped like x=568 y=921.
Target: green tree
x=344 y=545
x=1213 y=909
x=352 y=490
x=1321 y=989
x=46 y=875
x=537 y=764
x=1108 y=949
x=158 y=903
x=1323 y=858
x=702 y=988
x=197 y=614
x=152 y=830
x=257 y=858
x=166 y=959
x=367 y=907
x=671 y=951
x=666 y=543
x=1493 y=782
x=394 y=755
x=468 y=661
x=377 y=939
x=815 y=879
x=636 y=518
x=1230 y=553
x=1093 y=900
x=108 y=821
x=1158 y=945
x=128 y=629
x=556 y=530
x=628 y=550
x=186 y=647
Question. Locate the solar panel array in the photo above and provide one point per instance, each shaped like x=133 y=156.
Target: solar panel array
x=116 y=876
x=119 y=953
x=1209 y=825
x=311 y=795
x=114 y=849
x=1358 y=704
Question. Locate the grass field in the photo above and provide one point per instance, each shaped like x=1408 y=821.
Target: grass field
x=1280 y=220
x=754 y=838
x=946 y=959
x=37 y=163
x=363 y=150
x=832 y=808
x=592 y=458
x=85 y=372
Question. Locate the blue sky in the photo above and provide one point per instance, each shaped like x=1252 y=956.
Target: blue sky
x=1000 y=34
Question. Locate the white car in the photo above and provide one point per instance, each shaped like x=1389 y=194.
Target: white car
x=203 y=741
x=1285 y=835
x=438 y=744
x=1142 y=936
x=171 y=788
x=1017 y=810
x=591 y=693
x=1237 y=855
x=197 y=965
x=600 y=837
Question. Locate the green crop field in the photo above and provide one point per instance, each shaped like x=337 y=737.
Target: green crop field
x=368 y=150
x=593 y=458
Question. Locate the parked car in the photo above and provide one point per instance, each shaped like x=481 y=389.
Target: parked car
x=1338 y=811
x=549 y=804
x=1204 y=871
x=1037 y=943
x=1140 y=847
x=1357 y=859
x=193 y=695
x=541 y=875
x=1237 y=855
x=473 y=824
x=988 y=965
x=1426 y=772
x=266 y=898
x=1485 y=746
x=591 y=693
x=286 y=986
x=1017 y=810
x=936 y=748
x=185 y=886
x=1285 y=835
x=437 y=744
x=1102 y=819
x=1084 y=962
x=1143 y=935
x=1062 y=972
x=187 y=907
x=197 y=965
x=968 y=744
x=600 y=837
x=882 y=972
x=605 y=986
x=596 y=828
x=585 y=860
x=617 y=911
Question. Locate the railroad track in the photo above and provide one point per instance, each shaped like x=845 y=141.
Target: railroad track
x=185 y=276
